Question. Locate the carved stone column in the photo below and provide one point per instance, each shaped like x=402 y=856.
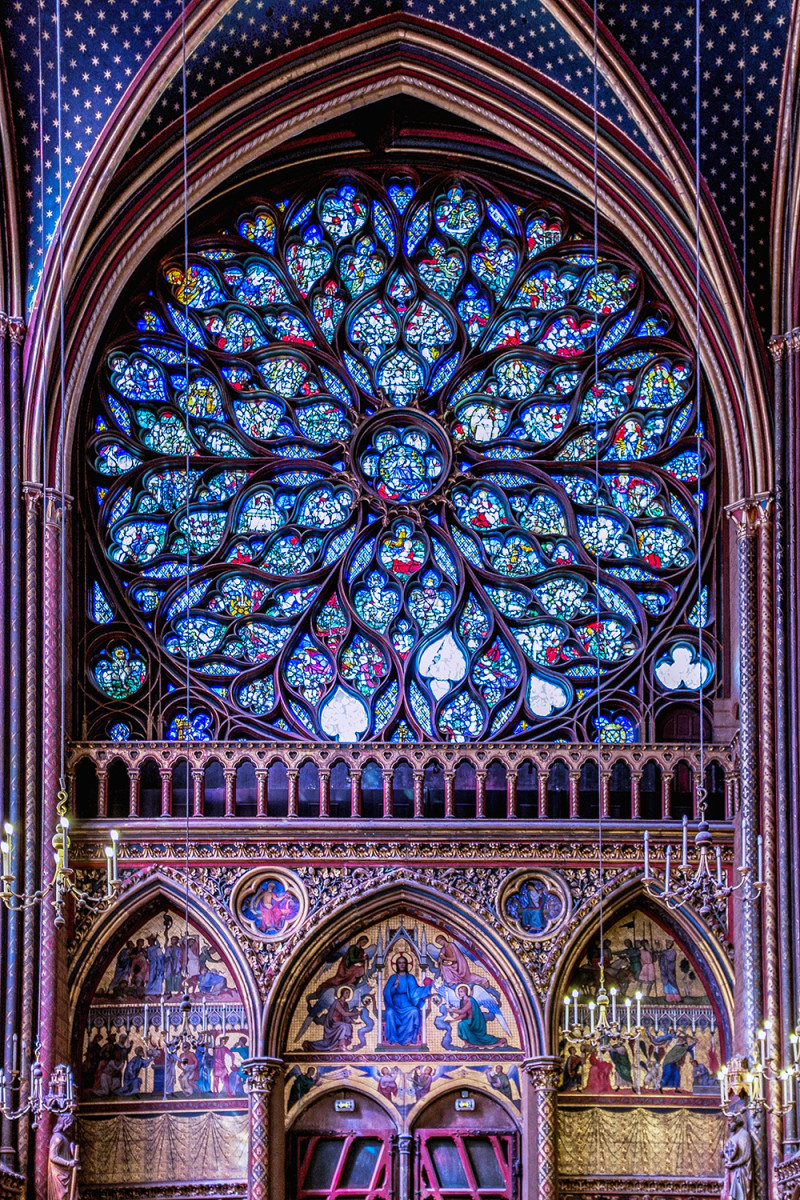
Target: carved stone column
x=261 y=1075
x=544 y=1074
x=748 y=517
x=405 y=1144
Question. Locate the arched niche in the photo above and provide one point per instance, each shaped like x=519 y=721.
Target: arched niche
x=130 y=991
x=663 y=968
x=402 y=1002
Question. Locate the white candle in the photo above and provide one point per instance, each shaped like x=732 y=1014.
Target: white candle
x=718 y=852
x=163 y=1026
x=575 y=1005
x=566 y=1014
x=760 y=844
x=667 y=869
x=109 y=869
x=628 y=1011
x=613 y=1004
x=204 y=1015
x=114 y=839
x=6 y=849
x=721 y=1078
x=146 y=1020
x=784 y=1075
x=762 y=1040
x=638 y=998
x=3 y=1101
x=685 y=842
x=794 y=1042
x=646 y=854
x=14 y=1053
x=9 y=844
x=65 y=843
x=591 y=1016
x=744 y=851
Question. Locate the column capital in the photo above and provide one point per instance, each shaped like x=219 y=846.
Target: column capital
x=16 y=330
x=261 y=1074
x=3 y=328
x=777 y=346
x=544 y=1072
x=749 y=515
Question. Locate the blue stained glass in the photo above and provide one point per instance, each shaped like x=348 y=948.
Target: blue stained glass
x=467 y=547
x=444 y=373
x=444 y=559
x=119 y=732
x=615 y=730
x=679 y=423
x=502 y=717
x=699 y=614
x=188 y=599
x=182 y=729
x=637 y=358
x=401 y=195
x=150 y=322
x=417 y=229
x=420 y=708
x=413 y=428
x=302 y=214
x=384 y=227
x=302 y=715
x=402 y=734
x=99 y=606
x=338 y=545
x=616 y=332
x=360 y=559
x=499 y=217
x=359 y=372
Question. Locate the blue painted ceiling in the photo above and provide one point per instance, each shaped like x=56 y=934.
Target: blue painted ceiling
x=106 y=42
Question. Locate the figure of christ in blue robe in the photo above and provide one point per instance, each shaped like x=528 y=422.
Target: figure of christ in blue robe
x=403 y=998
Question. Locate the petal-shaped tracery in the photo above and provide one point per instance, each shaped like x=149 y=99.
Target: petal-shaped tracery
x=403 y=463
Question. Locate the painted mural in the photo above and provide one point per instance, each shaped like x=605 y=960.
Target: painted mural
x=135 y=1010
x=270 y=905
x=678 y=1052
x=404 y=1009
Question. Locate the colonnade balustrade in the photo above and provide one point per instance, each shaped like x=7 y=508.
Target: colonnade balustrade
x=533 y=782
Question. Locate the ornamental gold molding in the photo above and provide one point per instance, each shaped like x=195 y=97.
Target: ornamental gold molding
x=332 y=888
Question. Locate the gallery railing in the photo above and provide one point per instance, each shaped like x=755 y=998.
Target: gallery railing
x=148 y=780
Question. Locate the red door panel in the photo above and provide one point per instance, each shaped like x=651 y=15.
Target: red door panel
x=464 y=1165
x=351 y=1166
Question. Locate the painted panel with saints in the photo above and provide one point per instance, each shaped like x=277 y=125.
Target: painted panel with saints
x=649 y=972
x=136 y=1010
x=405 y=1009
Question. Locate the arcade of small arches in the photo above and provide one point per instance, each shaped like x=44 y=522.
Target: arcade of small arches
x=162 y=781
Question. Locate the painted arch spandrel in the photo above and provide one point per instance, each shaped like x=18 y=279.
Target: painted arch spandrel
x=138 y=999
x=366 y=423
x=679 y=1053
x=404 y=1009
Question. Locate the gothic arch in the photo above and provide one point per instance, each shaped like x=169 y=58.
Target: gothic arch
x=404 y=56
x=141 y=900
x=708 y=953
x=420 y=900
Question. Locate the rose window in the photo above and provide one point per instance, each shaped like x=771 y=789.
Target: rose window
x=397 y=461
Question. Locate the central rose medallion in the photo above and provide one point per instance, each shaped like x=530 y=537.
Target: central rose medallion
x=403 y=459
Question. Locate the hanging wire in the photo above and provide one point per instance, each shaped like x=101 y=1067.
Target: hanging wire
x=43 y=406
x=701 y=785
x=598 y=723
x=184 y=130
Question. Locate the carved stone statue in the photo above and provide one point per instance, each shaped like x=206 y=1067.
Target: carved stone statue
x=62 y=1172
x=737 y=1155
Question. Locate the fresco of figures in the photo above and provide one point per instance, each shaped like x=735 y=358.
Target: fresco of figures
x=678 y=1053
x=389 y=1001
x=135 y=1011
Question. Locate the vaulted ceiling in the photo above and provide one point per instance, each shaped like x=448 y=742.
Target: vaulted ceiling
x=107 y=44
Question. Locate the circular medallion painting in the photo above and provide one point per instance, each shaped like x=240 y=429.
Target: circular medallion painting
x=534 y=904
x=269 y=904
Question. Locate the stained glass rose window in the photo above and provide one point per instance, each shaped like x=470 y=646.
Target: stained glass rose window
x=398 y=461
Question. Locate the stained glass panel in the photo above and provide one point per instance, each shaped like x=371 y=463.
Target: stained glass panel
x=393 y=526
